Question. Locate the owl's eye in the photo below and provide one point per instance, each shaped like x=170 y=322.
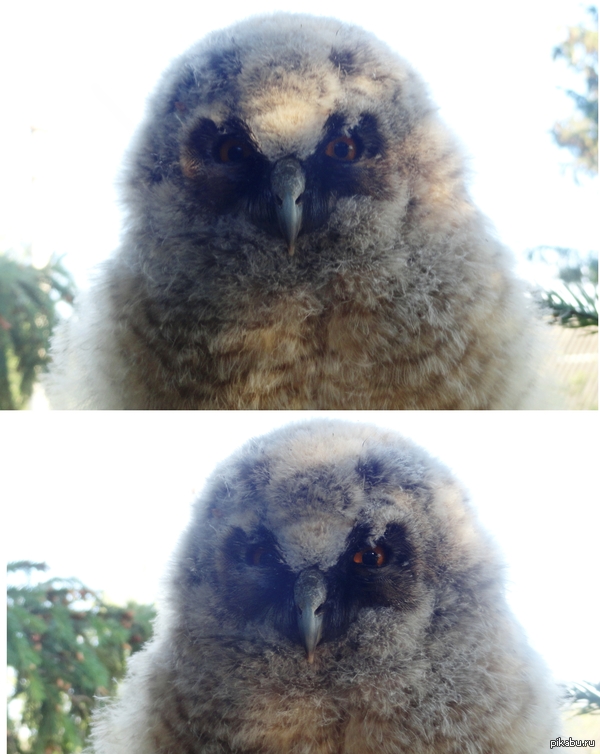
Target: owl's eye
x=234 y=150
x=372 y=557
x=263 y=556
x=342 y=148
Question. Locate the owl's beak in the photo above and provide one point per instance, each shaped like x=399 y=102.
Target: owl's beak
x=287 y=183
x=310 y=592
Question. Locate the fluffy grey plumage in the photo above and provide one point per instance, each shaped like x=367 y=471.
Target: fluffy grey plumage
x=300 y=236
x=333 y=594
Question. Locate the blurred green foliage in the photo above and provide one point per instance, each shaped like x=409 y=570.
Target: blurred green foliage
x=28 y=299
x=579 y=133
x=65 y=646
x=584 y=698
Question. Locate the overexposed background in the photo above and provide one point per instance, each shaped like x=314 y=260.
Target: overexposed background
x=76 y=76
x=103 y=497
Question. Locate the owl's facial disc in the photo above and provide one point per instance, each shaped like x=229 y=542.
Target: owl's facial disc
x=288 y=195
x=313 y=605
x=310 y=593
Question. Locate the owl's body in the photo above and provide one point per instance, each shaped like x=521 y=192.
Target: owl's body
x=300 y=235
x=333 y=594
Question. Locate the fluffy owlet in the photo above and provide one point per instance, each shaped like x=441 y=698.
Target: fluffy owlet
x=299 y=236
x=333 y=594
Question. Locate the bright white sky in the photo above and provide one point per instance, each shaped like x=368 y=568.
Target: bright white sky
x=78 y=73
x=103 y=497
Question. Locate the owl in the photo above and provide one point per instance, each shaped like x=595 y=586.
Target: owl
x=333 y=594
x=299 y=236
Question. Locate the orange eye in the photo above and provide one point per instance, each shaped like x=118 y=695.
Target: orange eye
x=343 y=148
x=234 y=150
x=373 y=557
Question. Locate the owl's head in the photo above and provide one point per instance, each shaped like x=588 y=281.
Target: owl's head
x=322 y=526
x=284 y=134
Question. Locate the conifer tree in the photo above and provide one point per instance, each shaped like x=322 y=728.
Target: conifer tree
x=575 y=302
x=65 y=646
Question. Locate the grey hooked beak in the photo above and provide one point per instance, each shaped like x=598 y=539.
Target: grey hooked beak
x=310 y=593
x=287 y=183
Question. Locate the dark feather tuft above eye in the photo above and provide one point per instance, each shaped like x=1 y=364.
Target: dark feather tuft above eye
x=226 y=64
x=344 y=60
x=371 y=471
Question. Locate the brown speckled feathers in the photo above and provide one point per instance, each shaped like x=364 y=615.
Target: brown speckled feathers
x=299 y=235
x=333 y=594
